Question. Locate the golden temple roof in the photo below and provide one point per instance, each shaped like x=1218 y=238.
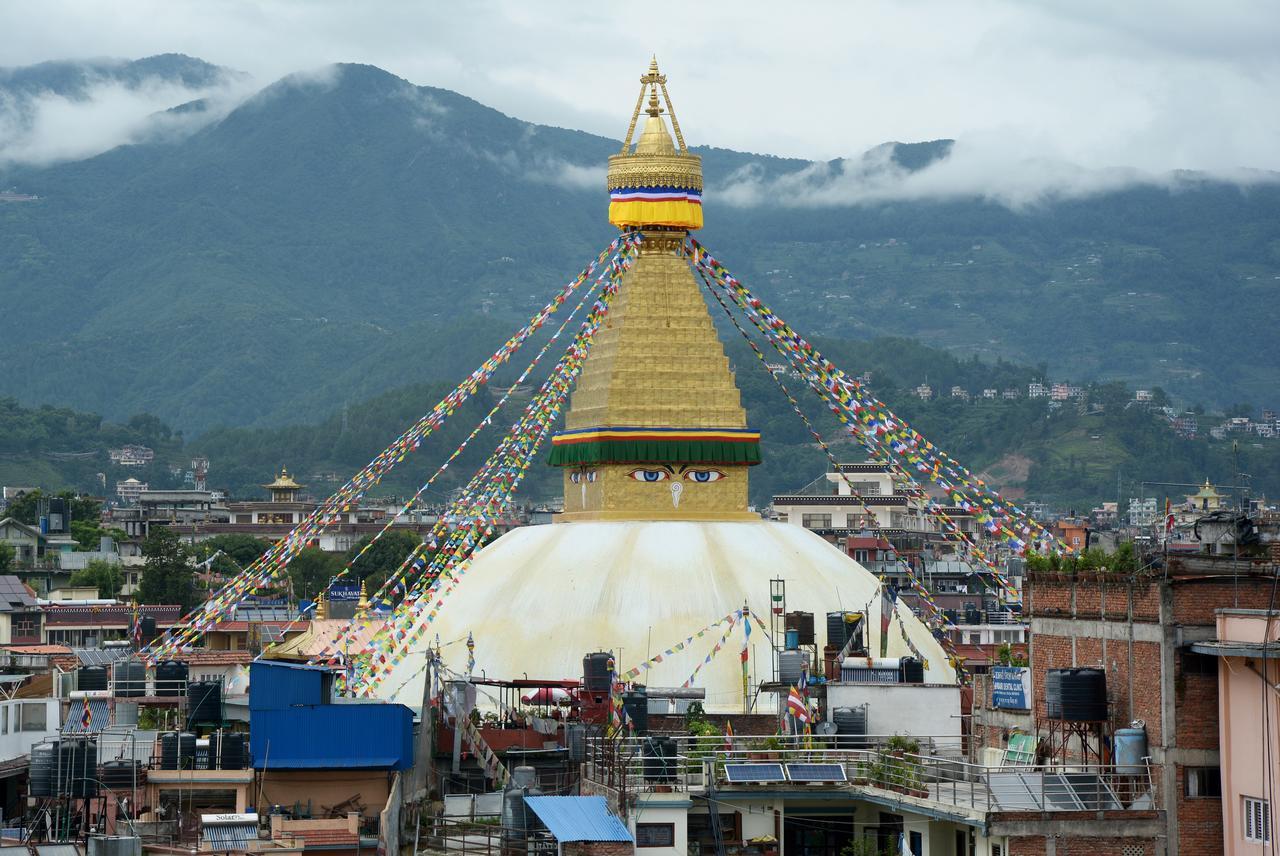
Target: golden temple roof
x=284 y=481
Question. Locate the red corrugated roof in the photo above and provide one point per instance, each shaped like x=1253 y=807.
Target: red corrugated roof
x=38 y=649
x=205 y=657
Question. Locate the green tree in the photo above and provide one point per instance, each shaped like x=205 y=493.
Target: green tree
x=237 y=553
x=167 y=576
x=83 y=509
x=383 y=558
x=102 y=575
x=6 y=557
x=311 y=571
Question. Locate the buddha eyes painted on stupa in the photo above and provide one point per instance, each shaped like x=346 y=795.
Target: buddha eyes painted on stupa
x=582 y=476
x=643 y=475
x=698 y=475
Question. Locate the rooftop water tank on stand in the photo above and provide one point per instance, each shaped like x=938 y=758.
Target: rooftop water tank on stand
x=791 y=667
x=92 y=678
x=1076 y=695
x=77 y=772
x=636 y=705
x=171 y=678
x=231 y=751
x=1131 y=749
x=44 y=757
x=595 y=671
x=910 y=671
x=204 y=702
x=121 y=775
x=838 y=630
x=130 y=679
x=802 y=623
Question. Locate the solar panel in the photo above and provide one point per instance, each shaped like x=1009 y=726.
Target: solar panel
x=816 y=772
x=1011 y=791
x=754 y=773
x=1093 y=792
x=1047 y=791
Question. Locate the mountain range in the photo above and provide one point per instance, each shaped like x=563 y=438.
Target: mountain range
x=344 y=232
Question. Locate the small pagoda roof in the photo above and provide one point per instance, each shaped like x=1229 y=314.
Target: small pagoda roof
x=284 y=481
x=1207 y=492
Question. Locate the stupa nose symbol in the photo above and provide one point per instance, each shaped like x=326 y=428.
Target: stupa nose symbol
x=676 y=489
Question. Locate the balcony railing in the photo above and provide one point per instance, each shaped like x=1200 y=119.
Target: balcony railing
x=938 y=776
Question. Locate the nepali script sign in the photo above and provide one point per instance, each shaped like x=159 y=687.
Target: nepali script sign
x=1010 y=687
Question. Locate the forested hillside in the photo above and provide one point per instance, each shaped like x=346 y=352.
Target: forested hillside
x=342 y=234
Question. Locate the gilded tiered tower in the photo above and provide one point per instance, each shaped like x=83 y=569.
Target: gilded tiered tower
x=656 y=428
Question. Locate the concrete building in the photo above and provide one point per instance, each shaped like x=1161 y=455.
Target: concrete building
x=1248 y=651
x=1142 y=631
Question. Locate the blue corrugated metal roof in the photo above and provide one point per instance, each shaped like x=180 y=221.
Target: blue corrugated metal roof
x=274 y=685
x=332 y=736
x=578 y=818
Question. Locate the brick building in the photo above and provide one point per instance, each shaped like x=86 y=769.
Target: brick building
x=1140 y=630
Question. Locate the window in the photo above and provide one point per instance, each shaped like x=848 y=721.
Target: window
x=815 y=521
x=4 y=720
x=655 y=835
x=1202 y=782
x=1257 y=820
x=1199 y=664
x=860 y=556
x=34 y=717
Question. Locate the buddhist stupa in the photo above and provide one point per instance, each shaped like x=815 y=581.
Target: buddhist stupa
x=656 y=540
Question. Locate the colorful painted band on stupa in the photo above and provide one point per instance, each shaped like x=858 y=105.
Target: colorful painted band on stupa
x=655 y=445
x=656 y=206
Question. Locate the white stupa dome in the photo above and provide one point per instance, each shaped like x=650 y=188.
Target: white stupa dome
x=539 y=598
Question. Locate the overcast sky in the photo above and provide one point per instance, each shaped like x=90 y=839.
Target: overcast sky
x=1151 y=85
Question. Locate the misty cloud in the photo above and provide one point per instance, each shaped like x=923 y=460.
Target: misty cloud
x=48 y=127
x=1045 y=99
x=995 y=169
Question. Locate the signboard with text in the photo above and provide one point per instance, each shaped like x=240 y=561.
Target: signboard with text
x=1011 y=687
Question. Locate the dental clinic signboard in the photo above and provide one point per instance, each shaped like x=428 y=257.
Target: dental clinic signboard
x=1011 y=687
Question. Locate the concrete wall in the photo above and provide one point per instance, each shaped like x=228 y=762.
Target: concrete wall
x=662 y=808
x=927 y=710
x=1139 y=630
x=1250 y=736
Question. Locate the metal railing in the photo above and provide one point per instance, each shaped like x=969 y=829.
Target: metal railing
x=634 y=765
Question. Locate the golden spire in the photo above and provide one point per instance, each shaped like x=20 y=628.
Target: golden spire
x=658 y=183
x=322 y=606
x=363 y=606
x=656 y=429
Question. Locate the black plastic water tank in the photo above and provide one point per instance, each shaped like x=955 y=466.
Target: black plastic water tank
x=1076 y=695
x=658 y=756
x=231 y=751
x=121 y=775
x=148 y=629
x=837 y=629
x=204 y=701
x=44 y=757
x=171 y=678
x=77 y=772
x=92 y=678
x=130 y=679
x=910 y=671
x=636 y=705
x=186 y=750
x=595 y=671
x=169 y=750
